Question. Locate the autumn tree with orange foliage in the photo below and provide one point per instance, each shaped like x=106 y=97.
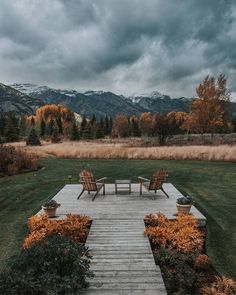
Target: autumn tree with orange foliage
x=55 y=117
x=120 y=126
x=176 y=120
x=146 y=124
x=209 y=111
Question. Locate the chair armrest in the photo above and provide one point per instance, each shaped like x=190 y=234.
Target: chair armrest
x=101 y=179
x=143 y=179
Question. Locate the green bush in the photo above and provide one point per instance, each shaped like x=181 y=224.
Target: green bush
x=55 y=265
x=178 y=271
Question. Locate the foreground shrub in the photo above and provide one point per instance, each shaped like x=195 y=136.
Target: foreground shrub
x=202 y=262
x=178 y=272
x=55 y=265
x=13 y=161
x=181 y=234
x=221 y=286
x=74 y=226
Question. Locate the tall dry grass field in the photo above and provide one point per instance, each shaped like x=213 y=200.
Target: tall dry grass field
x=94 y=150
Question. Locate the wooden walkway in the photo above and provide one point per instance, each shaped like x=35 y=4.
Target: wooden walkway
x=123 y=263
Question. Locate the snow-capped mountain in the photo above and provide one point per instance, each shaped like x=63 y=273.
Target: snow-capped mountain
x=17 y=101
x=101 y=102
x=92 y=92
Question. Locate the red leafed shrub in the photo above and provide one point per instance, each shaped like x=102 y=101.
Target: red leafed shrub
x=221 y=286
x=181 y=234
x=13 y=161
x=40 y=227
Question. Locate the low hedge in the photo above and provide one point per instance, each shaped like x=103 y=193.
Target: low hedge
x=54 y=265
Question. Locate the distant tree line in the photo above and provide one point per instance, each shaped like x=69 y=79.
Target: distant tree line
x=209 y=113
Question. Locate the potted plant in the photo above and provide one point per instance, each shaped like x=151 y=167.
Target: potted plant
x=50 y=208
x=184 y=204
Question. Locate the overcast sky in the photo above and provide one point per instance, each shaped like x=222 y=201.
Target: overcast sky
x=132 y=46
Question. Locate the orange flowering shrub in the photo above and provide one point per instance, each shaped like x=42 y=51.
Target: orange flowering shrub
x=221 y=286
x=181 y=234
x=202 y=262
x=74 y=226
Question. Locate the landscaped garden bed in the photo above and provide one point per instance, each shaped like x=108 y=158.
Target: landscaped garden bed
x=178 y=248
x=53 y=259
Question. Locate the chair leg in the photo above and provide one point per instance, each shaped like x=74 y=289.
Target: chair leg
x=104 y=189
x=80 y=194
x=164 y=192
x=141 y=188
x=95 y=196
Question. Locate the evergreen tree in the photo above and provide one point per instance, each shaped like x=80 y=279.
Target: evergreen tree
x=102 y=123
x=88 y=132
x=134 y=128
x=50 y=127
x=59 y=124
x=83 y=124
x=23 y=126
x=93 y=120
x=33 y=138
x=110 y=125
x=42 y=128
x=74 y=135
x=99 y=131
x=12 y=128
x=106 y=126
x=2 y=124
x=55 y=134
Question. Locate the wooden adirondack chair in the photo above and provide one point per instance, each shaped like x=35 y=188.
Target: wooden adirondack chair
x=90 y=184
x=155 y=183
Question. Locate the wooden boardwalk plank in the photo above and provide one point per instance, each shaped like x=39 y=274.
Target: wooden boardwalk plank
x=123 y=262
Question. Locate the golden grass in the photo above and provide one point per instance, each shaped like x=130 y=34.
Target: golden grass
x=95 y=150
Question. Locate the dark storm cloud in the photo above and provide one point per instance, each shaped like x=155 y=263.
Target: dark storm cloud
x=130 y=46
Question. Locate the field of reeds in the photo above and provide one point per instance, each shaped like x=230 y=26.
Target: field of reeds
x=96 y=150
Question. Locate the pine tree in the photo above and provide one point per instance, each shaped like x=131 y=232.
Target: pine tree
x=134 y=128
x=59 y=124
x=33 y=138
x=50 y=127
x=83 y=124
x=93 y=120
x=110 y=125
x=55 y=135
x=106 y=126
x=12 y=128
x=99 y=131
x=102 y=123
x=88 y=132
x=74 y=135
x=23 y=126
x=42 y=128
x=2 y=124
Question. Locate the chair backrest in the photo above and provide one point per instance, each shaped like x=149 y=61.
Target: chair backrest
x=162 y=174
x=88 y=181
x=157 y=180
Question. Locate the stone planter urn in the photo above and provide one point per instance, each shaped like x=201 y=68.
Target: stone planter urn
x=50 y=208
x=184 y=205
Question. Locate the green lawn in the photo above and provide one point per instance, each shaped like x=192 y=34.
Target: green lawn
x=212 y=184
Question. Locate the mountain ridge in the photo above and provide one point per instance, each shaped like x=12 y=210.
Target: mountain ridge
x=25 y=98
x=102 y=102
x=16 y=101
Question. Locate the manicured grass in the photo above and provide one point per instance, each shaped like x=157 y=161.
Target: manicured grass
x=211 y=183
